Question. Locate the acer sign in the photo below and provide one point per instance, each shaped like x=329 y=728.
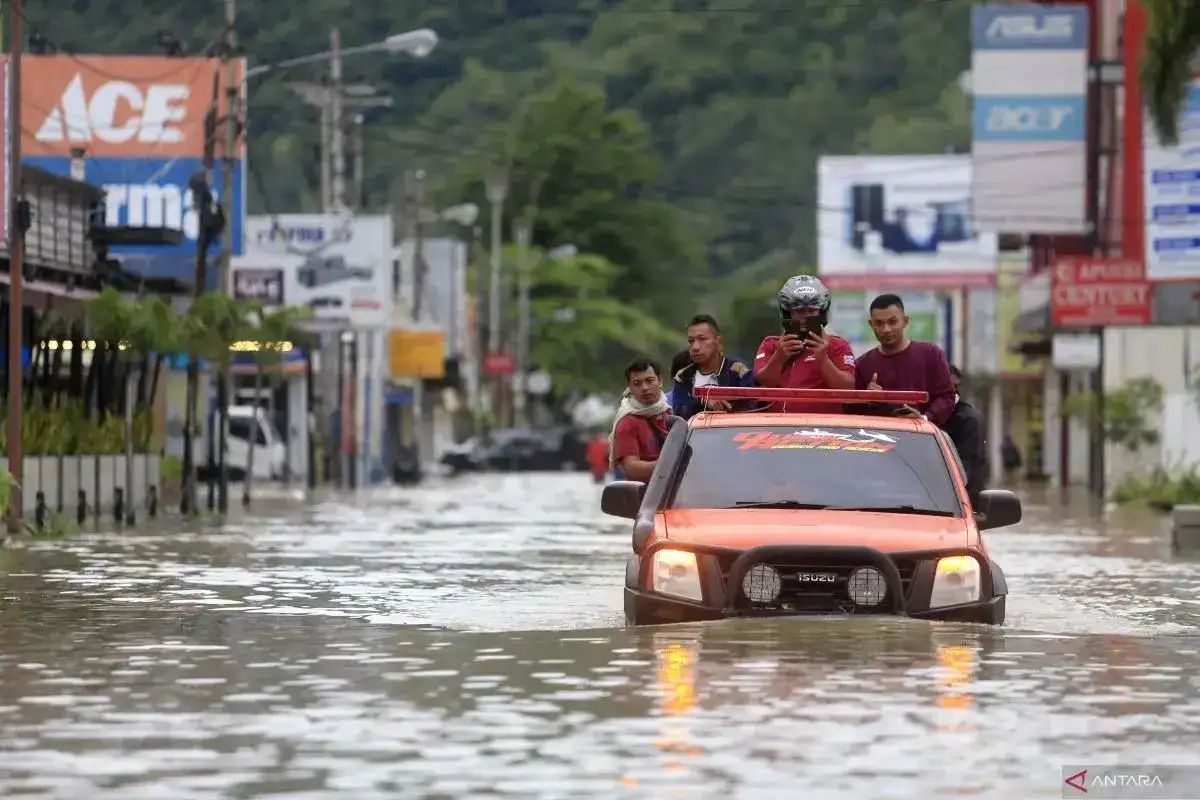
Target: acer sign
x=1087 y=293
x=140 y=123
x=1029 y=92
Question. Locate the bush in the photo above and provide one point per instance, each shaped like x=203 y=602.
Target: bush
x=1160 y=489
x=1130 y=413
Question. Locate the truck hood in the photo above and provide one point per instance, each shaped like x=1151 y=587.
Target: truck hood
x=746 y=528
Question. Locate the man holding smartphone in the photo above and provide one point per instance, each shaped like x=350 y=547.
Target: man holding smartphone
x=805 y=356
x=900 y=364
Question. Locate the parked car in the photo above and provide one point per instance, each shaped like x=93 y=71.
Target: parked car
x=523 y=449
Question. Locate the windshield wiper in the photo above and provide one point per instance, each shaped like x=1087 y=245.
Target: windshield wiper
x=905 y=509
x=779 y=504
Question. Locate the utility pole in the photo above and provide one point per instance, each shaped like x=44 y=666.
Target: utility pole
x=232 y=114
x=337 y=132
x=497 y=188
x=16 y=265
x=521 y=398
x=203 y=201
x=360 y=200
x=479 y=344
x=417 y=207
x=326 y=138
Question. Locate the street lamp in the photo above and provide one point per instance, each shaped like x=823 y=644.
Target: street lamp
x=417 y=43
x=563 y=252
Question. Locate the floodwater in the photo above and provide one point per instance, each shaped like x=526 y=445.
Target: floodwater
x=465 y=639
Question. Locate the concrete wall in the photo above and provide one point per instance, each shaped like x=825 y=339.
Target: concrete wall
x=1171 y=356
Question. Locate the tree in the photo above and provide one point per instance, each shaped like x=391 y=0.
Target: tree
x=1130 y=413
x=1172 y=42
x=582 y=334
x=271 y=330
x=578 y=171
x=212 y=325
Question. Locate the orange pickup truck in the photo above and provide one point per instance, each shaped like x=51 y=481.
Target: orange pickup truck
x=762 y=513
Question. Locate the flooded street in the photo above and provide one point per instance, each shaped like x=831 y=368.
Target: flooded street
x=466 y=638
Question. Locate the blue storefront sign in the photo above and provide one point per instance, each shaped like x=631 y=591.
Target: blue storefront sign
x=154 y=193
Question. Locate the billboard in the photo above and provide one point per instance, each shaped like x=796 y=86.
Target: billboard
x=444 y=290
x=139 y=121
x=1172 y=186
x=1094 y=292
x=5 y=213
x=850 y=311
x=340 y=268
x=900 y=222
x=1029 y=122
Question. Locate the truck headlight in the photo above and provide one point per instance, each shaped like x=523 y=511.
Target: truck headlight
x=674 y=572
x=955 y=582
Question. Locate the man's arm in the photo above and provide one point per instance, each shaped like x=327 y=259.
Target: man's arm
x=836 y=362
x=637 y=469
x=768 y=363
x=941 y=388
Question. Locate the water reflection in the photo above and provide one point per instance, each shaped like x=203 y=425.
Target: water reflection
x=442 y=643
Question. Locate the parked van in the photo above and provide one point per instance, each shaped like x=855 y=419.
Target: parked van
x=270 y=454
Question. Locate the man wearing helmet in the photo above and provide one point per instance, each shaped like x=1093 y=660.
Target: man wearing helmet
x=805 y=356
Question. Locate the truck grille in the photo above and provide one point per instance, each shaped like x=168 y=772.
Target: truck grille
x=816 y=588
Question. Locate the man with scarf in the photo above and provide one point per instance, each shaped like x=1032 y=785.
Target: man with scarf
x=641 y=424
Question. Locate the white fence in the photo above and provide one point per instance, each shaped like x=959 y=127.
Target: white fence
x=64 y=482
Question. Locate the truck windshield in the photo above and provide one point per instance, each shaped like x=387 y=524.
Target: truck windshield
x=816 y=467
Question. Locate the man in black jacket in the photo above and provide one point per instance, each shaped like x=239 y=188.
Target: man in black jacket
x=969 y=434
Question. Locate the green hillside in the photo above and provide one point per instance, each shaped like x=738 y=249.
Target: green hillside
x=676 y=138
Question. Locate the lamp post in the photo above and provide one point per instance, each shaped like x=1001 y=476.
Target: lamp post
x=418 y=43
x=561 y=253
x=330 y=100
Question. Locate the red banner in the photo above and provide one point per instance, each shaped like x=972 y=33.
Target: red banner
x=1093 y=292
x=498 y=364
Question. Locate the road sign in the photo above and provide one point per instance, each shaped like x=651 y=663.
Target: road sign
x=498 y=364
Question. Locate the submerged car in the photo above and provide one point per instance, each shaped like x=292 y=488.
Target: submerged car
x=763 y=514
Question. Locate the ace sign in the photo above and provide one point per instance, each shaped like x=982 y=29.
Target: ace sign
x=1094 y=292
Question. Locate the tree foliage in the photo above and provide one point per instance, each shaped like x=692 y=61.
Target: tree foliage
x=1172 y=42
x=676 y=141
x=1130 y=413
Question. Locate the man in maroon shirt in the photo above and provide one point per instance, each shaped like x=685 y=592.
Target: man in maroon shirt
x=806 y=356
x=900 y=364
x=640 y=427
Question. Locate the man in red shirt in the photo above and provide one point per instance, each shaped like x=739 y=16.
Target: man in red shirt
x=900 y=364
x=641 y=423
x=816 y=360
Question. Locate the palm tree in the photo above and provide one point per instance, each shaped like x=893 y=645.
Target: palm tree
x=113 y=322
x=1172 y=42
x=154 y=332
x=271 y=330
x=214 y=322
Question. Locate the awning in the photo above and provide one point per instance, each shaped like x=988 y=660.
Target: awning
x=1033 y=322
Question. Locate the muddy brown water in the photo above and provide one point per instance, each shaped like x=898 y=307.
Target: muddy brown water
x=465 y=639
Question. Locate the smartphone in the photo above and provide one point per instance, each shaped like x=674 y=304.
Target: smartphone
x=802 y=327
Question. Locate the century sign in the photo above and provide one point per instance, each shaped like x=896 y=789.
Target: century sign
x=1089 y=293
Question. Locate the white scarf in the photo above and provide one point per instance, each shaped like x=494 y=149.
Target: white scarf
x=631 y=405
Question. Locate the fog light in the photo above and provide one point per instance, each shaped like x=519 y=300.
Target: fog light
x=867 y=586
x=761 y=584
